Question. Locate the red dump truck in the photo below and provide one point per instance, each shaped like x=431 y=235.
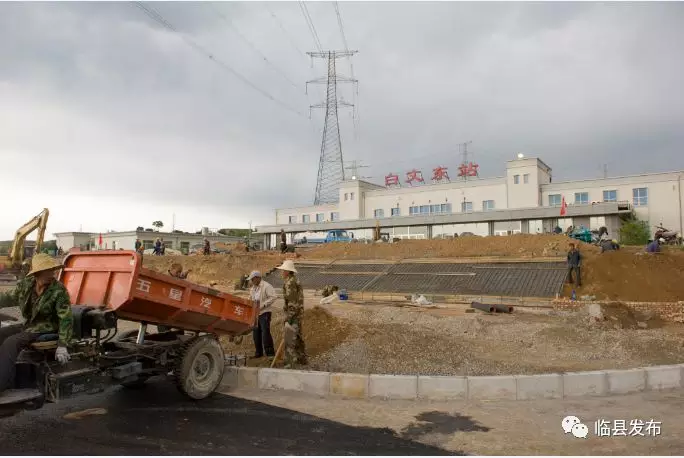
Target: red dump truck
x=107 y=286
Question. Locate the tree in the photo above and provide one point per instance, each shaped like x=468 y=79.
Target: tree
x=139 y=228
x=158 y=225
x=634 y=232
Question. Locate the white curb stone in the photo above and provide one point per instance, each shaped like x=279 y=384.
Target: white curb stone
x=493 y=387
x=393 y=386
x=350 y=385
x=592 y=383
x=543 y=386
x=442 y=388
x=292 y=380
x=230 y=378
x=664 y=377
x=626 y=381
x=247 y=377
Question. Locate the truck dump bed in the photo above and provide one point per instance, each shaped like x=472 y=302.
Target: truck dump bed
x=117 y=280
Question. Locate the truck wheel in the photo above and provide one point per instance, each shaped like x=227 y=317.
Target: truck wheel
x=199 y=369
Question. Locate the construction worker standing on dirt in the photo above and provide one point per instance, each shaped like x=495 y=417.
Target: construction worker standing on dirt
x=46 y=307
x=293 y=294
x=283 y=241
x=574 y=264
x=263 y=294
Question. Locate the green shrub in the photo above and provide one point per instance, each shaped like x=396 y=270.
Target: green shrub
x=634 y=232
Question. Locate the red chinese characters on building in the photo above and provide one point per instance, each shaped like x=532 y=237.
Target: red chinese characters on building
x=392 y=180
x=440 y=174
x=414 y=176
x=468 y=170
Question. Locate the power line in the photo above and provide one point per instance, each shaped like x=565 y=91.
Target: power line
x=251 y=45
x=351 y=64
x=154 y=15
x=282 y=27
x=312 y=28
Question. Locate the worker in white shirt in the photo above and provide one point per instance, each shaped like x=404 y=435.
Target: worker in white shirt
x=263 y=294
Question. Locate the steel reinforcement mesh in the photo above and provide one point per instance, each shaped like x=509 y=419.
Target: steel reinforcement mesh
x=495 y=279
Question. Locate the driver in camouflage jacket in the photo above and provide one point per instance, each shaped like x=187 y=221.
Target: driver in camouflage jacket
x=45 y=305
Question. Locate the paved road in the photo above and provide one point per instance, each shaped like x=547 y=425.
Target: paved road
x=159 y=420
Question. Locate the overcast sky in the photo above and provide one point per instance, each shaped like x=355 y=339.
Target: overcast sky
x=112 y=121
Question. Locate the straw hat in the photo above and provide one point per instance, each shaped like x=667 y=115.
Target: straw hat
x=42 y=262
x=288 y=265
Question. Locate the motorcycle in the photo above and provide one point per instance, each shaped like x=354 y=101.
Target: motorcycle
x=670 y=237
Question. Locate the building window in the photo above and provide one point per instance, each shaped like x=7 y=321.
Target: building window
x=466 y=207
x=346 y=196
x=395 y=211
x=555 y=200
x=351 y=196
x=526 y=178
x=610 y=196
x=487 y=205
x=640 y=197
x=581 y=198
x=334 y=216
x=430 y=209
x=306 y=219
x=379 y=213
x=320 y=217
x=148 y=244
x=516 y=179
x=293 y=220
x=446 y=208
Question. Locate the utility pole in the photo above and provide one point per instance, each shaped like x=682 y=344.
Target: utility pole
x=331 y=162
x=464 y=155
x=605 y=171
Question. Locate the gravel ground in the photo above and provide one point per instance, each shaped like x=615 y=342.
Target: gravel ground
x=408 y=341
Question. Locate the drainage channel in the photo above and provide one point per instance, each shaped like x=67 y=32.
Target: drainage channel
x=496 y=279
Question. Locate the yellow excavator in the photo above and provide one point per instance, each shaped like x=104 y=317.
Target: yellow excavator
x=16 y=261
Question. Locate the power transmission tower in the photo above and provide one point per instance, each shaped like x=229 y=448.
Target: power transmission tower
x=331 y=163
x=354 y=168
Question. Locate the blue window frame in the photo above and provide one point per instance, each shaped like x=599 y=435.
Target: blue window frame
x=640 y=197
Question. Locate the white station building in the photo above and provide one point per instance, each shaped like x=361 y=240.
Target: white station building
x=524 y=200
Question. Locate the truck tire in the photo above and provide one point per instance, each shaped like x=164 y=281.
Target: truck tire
x=199 y=369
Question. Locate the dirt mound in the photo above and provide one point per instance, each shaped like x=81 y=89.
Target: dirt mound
x=616 y=315
x=322 y=331
x=223 y=269
x=632 y=275
x=519 y=246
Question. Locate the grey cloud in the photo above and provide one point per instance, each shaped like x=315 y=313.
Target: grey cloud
x=574 y=83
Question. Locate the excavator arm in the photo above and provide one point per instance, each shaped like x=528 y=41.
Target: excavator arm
x=16 y=254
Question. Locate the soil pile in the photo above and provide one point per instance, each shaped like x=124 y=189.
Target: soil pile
x=519 y=246
x=224 y=269
x=616 y=315
x=632 y=275
x=322 y=331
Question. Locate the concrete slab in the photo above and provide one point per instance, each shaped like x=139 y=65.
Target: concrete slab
x=664 y=377
x=393 y=386
x=293 y=380
x=442 y=388
x=349 y=385
x=543 y=386
x=492 y=387
x=591 y=383
x=626 y=381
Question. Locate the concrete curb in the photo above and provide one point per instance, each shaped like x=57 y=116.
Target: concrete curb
x=490 y=388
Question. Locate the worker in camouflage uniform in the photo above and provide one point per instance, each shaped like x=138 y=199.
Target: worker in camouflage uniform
x=295 y=352
x=45 y=305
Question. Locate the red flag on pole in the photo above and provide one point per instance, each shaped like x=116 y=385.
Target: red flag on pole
x=100 y=240
x=563 y=207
